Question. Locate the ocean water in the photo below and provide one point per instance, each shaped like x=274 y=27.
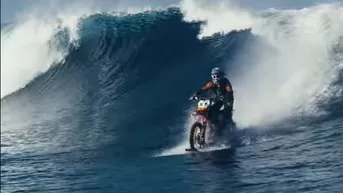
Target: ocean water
x=97 y=101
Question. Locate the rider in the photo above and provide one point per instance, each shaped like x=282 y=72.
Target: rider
x=221 y=87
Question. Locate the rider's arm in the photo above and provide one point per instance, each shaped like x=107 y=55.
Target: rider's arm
x=229 y=92
x=228 y=88
x=205 y=88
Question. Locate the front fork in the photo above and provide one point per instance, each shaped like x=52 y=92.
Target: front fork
x=203 y=128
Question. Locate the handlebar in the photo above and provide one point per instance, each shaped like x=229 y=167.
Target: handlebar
x=217 y=98
x=206 y=98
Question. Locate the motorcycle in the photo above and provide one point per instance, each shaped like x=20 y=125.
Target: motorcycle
x=202 y=122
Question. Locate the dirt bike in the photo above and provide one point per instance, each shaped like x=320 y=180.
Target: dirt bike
x=202 y=122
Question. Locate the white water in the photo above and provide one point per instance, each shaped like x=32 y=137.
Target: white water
x=28 y=50
x=287 y=79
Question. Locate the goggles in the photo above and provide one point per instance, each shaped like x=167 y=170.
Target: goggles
x=215 y=76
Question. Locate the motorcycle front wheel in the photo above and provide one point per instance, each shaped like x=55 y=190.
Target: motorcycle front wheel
x=195 y=141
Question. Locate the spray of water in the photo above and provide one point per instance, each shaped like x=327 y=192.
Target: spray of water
x=217 y=15
x=179 y=149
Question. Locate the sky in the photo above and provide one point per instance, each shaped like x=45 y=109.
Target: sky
x=12 y=8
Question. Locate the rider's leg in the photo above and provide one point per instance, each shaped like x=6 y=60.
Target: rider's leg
x=228 y=114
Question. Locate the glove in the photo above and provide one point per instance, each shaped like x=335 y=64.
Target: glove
x=193 y=97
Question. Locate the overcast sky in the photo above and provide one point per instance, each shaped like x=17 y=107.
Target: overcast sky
x=10 y=8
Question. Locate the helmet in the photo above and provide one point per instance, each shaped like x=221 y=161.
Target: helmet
x=216 y=74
